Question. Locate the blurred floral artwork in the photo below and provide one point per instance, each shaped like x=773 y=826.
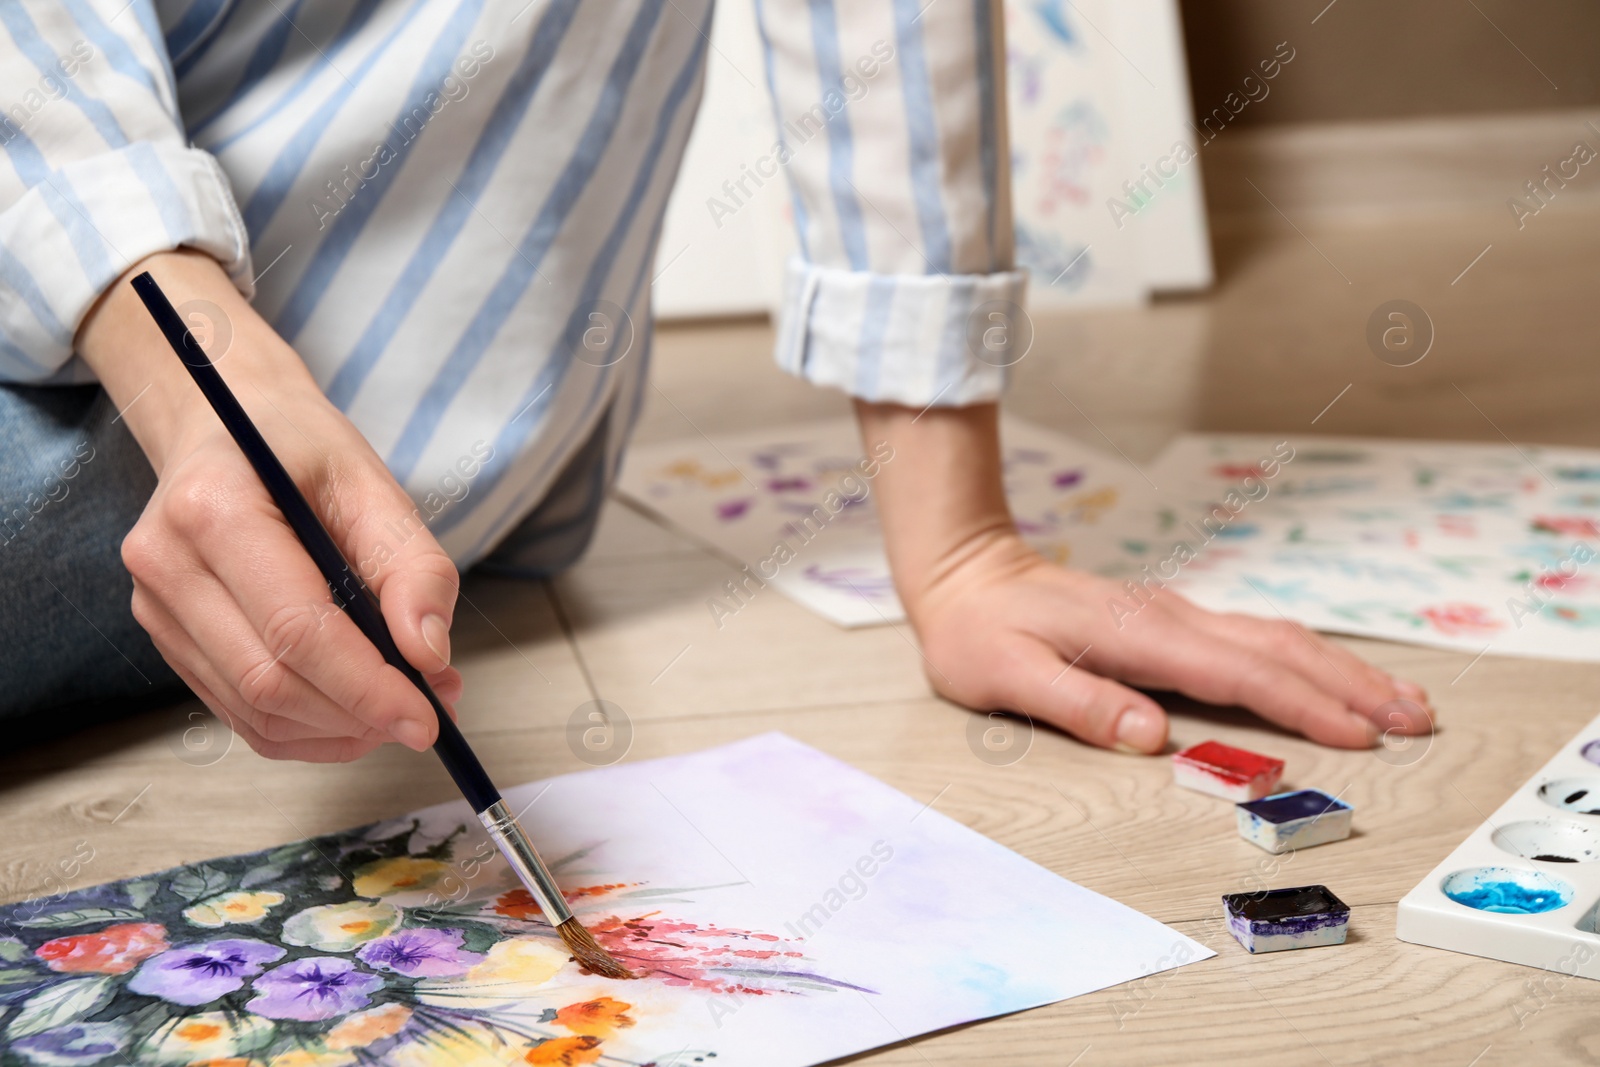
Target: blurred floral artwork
x=1483 y=548
x=408 y=943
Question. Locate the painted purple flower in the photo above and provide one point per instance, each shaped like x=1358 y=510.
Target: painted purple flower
x=74 y=1043
x=198 y=974
x=1066 y=479
x=420 y=954
x=312 y=989
x=732 y=509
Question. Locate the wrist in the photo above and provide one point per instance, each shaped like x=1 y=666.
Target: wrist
x=941 y=501
x=143 y=376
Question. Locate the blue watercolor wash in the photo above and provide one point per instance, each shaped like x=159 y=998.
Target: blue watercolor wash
x=1591 y=751
x=1506 y=891
x=1300 y=804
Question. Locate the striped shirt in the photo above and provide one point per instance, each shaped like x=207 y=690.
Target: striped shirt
x=450 y=207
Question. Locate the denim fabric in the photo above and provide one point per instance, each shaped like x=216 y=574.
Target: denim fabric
x=72 y=483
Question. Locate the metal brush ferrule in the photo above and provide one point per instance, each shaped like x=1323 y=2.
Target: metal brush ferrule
x=512 y=841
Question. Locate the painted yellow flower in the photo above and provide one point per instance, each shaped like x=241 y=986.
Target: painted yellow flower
x=399 y=876
x=512 y=970
x=230 y=908
x=206 y=1036
x=464 y=1044
x=520 y=960
x=311 y=1057
x=341 y=927
x=365 y=1027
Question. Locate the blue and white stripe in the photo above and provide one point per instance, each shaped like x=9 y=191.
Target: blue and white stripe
x=447 y=189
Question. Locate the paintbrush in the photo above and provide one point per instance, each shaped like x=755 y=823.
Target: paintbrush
x=361 y=605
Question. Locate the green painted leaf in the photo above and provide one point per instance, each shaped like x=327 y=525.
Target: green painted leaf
x=201 y=881
x=80 y=917
x=267 y=872
x=61 y=1004
x=139 y=893
x=18 y=977
x=12 y=950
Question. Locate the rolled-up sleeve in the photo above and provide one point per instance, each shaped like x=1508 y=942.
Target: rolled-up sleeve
x=892 y=131
x=97 y=174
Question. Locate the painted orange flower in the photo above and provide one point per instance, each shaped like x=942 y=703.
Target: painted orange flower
x=114 y=950
x=518 y=904
x=601 y=1017
x=564 y=1051
x=365 y=1027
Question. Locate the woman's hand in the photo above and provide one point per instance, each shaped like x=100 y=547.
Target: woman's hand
x=226 y=591
x=1001 y=628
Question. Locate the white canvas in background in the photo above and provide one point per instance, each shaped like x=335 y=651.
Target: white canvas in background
x=1474 y=547
x=747 y=494
x=1095 y=89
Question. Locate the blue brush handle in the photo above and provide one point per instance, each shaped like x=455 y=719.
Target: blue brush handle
x=351 y=592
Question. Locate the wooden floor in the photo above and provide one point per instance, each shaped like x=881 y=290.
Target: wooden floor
x=1279 y=339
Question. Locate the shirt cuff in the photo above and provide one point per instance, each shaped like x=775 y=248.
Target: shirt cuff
x=921 y=340
x=81 y=227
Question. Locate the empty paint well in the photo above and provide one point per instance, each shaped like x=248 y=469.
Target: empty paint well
x=1581 y=795
x=1222 y=771
x=1287 y=821
x=1507 y=890
x=1549 y=840
x=1279 y=919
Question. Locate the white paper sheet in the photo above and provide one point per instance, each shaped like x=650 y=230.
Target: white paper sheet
x=747 y=494
x=947 y=928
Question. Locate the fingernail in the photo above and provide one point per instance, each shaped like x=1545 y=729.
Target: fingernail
x=1140 y=731
x=436 y=632
x=410 y=733
x=1374 y=734
x=1411 y=691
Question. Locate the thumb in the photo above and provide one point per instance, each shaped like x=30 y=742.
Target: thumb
x=1092 y=709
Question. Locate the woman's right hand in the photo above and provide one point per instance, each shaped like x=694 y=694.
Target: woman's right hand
x=225 y=589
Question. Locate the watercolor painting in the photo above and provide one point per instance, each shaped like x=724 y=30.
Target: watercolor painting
x=1464 y=546
x=795 y=507
x=780 y=907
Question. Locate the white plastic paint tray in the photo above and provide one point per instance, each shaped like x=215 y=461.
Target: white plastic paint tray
x=1540 y=849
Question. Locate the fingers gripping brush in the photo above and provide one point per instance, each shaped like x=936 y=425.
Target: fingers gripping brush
x=362 y=606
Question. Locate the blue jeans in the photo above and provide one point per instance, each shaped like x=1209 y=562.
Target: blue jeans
x=72 y=484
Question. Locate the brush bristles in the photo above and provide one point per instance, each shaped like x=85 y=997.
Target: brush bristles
x=587 y=951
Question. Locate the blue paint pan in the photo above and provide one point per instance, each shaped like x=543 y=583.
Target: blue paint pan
x=1287 y=821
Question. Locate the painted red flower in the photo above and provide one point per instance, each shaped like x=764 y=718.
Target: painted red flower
x=114 y=950
x=1460 y=620
x=1571 y=525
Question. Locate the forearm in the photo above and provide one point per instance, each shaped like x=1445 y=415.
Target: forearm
x=942 y=499
x=148 y=384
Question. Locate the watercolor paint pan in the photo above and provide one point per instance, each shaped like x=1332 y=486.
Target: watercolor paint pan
x=1300 y=819
x=1525 y=886
x=1224 y=771
x=1304 y=917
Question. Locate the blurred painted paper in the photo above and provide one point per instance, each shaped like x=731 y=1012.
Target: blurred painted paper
x=1464 y=546
x=782 y=908
x=764 y=499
